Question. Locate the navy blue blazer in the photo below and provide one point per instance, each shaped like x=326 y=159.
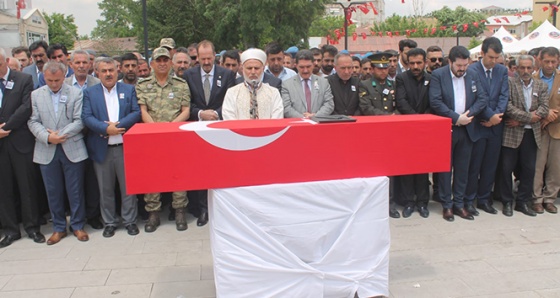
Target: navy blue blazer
x=223 y=79
x=94 y=115
x=498 y=95
x=442 y=97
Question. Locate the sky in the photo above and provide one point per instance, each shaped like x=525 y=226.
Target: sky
x=86 y=12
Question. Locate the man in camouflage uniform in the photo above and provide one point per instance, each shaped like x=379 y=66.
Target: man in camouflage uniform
x=164 y=98
x=377 y=97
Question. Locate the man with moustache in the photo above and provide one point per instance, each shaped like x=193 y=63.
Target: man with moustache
x=38 y=51
x=547 y=168
x=129 y=69
x=393 y=63
x=181 y=61
x=327 y=63
x=275 y=60
x=144 y=69
x=344 y=86
x=253 y=99
x=457 y=94
x=434 y=58
x=109 y=110
x=412 y=98
x=57 y=52
x=527 y=106
x=164 y=98
x=317 y=60
x=208 y=84
x=306 y=95
x=16 y=157
x=377 y=97
x=356 y=67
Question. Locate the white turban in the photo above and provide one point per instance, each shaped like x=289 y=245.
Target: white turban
x=253 y=54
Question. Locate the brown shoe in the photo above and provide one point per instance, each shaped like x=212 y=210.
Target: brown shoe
x=81 y=235
x=538 y=208
x=153 y=222
x=550 y=208
x=56 y=237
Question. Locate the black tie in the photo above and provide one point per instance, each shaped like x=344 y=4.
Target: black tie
x=2 y=86
x=489 y=76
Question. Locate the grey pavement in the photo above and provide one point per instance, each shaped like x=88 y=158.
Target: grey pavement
x=492 y=256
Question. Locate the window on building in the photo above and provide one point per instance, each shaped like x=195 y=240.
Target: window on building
x=512 y=31
x=33 y=37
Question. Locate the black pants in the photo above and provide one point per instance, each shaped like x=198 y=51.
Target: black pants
x=410 y=186
x=525 y=157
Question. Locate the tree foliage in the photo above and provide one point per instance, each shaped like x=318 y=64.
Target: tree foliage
x=227 y=23
x=116 y=19
x=322 y=26
x=62 y=29
x=444 y=17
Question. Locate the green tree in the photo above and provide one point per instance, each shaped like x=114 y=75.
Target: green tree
x=62 y=29
x=116 y=19
x=322 y=26
x=474 y=42
x=459 y=16
x=402 y=24
x=535 y=25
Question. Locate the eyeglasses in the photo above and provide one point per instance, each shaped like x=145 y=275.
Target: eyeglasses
x=436 y=59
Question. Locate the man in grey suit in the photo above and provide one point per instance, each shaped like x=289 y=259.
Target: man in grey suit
x=306 y=95
x=38 y=51
x=81 y=79
x=60 y=149
x=79 y=60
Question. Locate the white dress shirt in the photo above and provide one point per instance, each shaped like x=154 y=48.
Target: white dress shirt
x=113 y=109
x=459 y=93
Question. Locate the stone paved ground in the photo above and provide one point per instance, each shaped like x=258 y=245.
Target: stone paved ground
x=492 y=256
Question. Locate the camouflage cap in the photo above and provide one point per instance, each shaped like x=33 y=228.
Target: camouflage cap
x=159 y=52
x=169 y=43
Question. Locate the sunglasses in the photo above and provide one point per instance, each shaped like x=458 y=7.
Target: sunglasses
x=436 y=59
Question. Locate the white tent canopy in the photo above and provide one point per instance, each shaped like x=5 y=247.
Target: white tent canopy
x=546 y=35
x=503 y=35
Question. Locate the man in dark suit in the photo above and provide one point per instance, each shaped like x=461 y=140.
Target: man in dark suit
x=345 y=86
x=412 y=98
x=16 y=156
x=110 y=109
x=267 y=79
x=486 y=150
x=38 y=51
x=405 y=45
x=457 y=94
x=208 y=84
x=527 y=106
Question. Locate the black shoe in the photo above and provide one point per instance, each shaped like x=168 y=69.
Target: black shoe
x=203 y=219
x=43 y=221
x=109 y=231
x=470 y=208
x=132 y=229
x=8 y=240
x=393 y=213
x=407 y=211
x=523 y=208
x=507 y=210
x=37 y=237
x=171 y=216
x=487 y=208
x=95 y=223
x=448 y=214
x=424 y=212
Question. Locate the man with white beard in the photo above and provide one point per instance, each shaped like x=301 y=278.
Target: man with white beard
x=253 y=99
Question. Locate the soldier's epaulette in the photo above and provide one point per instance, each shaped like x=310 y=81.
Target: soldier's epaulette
x=142 y=80
x=373 y=83
x=389 y=83
x=179 y=79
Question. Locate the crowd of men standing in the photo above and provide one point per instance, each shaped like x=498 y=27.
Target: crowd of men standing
x=62 y=120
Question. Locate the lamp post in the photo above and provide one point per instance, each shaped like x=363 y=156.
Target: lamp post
x=554 y=11
x=145 y=20
x=346 y=7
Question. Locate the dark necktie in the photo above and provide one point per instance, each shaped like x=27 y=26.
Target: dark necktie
x=489 y=76
x=2 y=88
x=307 y=95
x=254 y=109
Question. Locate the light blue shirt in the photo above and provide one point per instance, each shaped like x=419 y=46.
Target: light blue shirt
x=285 y=74
x=77 y=85
x=548 y=81
x=56 y=97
